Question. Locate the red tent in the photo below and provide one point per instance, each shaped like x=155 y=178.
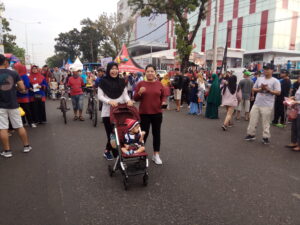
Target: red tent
x=130 y=65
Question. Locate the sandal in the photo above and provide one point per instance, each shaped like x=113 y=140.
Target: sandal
x=81 y=118
x=297 y=149
x=291 y=146
x=75 y=118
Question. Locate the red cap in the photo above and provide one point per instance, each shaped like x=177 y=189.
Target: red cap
x=131 y=123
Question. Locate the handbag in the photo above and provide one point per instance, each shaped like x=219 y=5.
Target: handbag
x=38 y=96
x=21 y=110
x=292 y=113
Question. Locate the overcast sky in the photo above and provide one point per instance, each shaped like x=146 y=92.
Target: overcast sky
x=56 y=16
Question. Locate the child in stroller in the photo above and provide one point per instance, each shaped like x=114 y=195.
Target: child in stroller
x=131 y=158
x=133 y=139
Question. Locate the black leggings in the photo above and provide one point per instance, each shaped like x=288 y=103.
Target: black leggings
x=155 y=121
x=108 y=129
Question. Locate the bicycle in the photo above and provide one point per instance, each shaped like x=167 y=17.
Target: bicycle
x=92 y=108
x=63 y=105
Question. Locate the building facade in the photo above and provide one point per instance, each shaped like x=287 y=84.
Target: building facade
x=265 y=29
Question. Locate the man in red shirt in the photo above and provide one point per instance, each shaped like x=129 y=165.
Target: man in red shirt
x=76 y=84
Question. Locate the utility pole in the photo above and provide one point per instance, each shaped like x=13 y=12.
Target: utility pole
x=224 y=63
x=215 y=50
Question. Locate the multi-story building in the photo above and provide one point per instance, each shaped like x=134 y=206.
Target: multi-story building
x=264 y=29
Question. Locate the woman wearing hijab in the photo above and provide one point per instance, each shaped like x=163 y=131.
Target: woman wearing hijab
x=151 y=95
x=38 y=86
x=213 y=99
x=111 y=92
x=230 y=99
x=23 y=98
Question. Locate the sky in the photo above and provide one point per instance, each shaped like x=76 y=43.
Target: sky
x=47 y=18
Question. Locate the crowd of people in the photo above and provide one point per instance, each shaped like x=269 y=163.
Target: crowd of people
x=253 y=98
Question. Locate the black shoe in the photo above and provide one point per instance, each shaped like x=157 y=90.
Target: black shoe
x=265 y=141
x=249 y=138
x=108 y=155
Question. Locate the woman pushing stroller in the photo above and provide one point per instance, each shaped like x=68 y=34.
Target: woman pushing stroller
x=112 y=91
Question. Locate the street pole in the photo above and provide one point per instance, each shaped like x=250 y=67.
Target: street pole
x=27 y=60
x=215 y=50
x=224 y=63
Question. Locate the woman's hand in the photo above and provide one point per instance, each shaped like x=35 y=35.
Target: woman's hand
x=142 y=90
x=113 y=103
x=130 y=103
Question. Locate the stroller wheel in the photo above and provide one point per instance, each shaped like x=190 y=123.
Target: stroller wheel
x=126 y=184
x=145 y=179
x=110 y=171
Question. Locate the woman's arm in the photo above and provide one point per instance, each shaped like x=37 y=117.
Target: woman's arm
x=101 y=96
x=137 y=96
x=125 y=95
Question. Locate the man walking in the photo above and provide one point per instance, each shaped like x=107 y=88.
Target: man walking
x=285 y=92
x=76 y=84
x=10 y=82
x=245 y=86
x=57 y=74
x=177 y=83
x=267 y=88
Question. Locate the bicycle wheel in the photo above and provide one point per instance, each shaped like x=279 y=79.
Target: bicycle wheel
x=63 y=105
x=95 y=113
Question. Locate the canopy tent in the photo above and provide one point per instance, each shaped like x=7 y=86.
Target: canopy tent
x=68 y=64
x=126 y=63
x=77 y=64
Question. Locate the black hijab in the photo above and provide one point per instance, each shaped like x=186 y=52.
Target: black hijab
x=112 y=87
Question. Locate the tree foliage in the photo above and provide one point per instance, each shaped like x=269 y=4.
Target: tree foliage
x=91 y=37
x=104 y=36
x=56 y=60
x=116 y=32
x=177 y=10
x=68 y=44
x=9 y=40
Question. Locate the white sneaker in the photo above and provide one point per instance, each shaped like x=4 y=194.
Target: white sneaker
x=156 y=159
x=27 y=149
x=33 y=125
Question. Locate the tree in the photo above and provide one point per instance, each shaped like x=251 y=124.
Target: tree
x=56 y=60
x=68 y=44
x=90 y=39
x=177 y=10
x=9 y=40
x=116 y=32
x=107 y=50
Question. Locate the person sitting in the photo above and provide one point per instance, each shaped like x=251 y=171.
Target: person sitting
x=133 y=139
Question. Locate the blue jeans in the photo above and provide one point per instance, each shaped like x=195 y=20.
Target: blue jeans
x=77 y=102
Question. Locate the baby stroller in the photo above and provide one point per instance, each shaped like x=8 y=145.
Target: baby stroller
x=130 y=165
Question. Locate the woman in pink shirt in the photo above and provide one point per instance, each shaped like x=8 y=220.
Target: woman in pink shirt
x=230 y=98
x=151 y=95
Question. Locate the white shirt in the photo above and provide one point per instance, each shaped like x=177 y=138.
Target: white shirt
x=124 y=98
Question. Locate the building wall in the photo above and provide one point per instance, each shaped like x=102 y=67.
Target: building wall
x=256 y=25
x=146 y=24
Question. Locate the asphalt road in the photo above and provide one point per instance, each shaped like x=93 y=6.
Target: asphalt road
x=208 y=177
